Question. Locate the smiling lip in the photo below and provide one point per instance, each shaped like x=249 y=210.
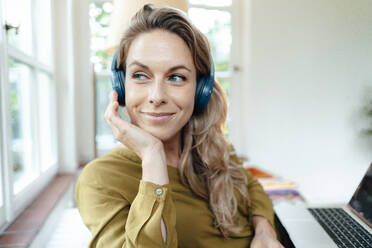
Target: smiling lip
x=158 y=118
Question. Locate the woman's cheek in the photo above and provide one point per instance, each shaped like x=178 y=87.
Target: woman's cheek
x=132 y=116
x=132 y=101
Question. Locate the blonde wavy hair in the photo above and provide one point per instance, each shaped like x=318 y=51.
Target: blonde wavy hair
x=205 y=163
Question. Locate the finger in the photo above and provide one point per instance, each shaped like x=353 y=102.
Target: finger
x=112 y=115
x=125 y=112
x=113 y=120
x=111 y=108
x=126 y=132
x=115 y=132
x=110 y=112
x=113 y=105
x=115 y=101
x=120 y=128
x=109 y=116
x=113 y=95
x=117 y=120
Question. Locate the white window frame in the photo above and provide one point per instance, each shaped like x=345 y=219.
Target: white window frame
x=3 y=134
x=14 y=204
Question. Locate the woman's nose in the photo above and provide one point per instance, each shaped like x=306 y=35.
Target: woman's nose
x=157 y=94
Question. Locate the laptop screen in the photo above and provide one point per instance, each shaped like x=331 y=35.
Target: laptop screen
x=361 y=201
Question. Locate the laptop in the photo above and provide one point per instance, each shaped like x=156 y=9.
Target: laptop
x=348 y=225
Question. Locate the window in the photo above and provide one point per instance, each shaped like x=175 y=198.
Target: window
x=28 y=131
x=214 y=19
x=20 y=110
x=100 y=17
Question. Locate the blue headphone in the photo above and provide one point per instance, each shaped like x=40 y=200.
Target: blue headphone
x=203 y=92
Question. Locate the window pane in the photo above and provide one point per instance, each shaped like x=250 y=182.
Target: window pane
x=218 y=3
x=216 y=25
x=100 y=17
x=104 y=136
x=43 y=31
x=18 y=13
x=225 y=84
x=103 y=131
x=20 y=111
x=48 y=156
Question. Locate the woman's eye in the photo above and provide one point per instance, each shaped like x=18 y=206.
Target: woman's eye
x=139 y=76
x=177 y=78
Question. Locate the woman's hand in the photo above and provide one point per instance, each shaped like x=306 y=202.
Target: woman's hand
x=265 y=241
x=128 y=134
x=147 y=147
x=265 y=236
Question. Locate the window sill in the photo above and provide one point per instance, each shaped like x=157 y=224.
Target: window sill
x=25 y=228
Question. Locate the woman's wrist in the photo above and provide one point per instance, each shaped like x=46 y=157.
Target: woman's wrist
x=154 y=166
x=159 y=177
x=262 y=226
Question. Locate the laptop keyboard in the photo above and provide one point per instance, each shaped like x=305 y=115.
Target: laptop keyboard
x=342 y=228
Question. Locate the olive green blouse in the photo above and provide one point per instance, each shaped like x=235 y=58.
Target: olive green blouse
x=121 y=210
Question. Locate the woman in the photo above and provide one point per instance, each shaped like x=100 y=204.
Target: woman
x=175 y=181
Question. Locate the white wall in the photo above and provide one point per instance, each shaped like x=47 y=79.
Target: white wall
x=307 y=75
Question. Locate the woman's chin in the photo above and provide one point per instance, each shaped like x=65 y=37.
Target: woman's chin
x=162 y=135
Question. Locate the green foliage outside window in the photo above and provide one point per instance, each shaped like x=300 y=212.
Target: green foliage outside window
x=14 y=104
x=100 y=17
x=212 y=35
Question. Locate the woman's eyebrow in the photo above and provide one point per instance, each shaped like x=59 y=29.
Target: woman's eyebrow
x=174 y=68
x=139 y=64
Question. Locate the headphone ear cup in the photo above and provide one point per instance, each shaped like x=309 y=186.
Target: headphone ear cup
x=121 y=89
x=203 y=93
x=118 y=80
x=204 y=90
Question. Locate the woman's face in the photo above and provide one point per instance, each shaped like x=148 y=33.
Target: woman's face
x=160 y=83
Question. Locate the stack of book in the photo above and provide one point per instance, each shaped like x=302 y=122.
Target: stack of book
x=277 y=188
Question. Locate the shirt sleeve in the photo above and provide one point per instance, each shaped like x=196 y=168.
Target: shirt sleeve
x=116 y=223
x=260 y=202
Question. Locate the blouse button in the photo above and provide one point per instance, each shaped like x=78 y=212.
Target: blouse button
x=159 y=191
